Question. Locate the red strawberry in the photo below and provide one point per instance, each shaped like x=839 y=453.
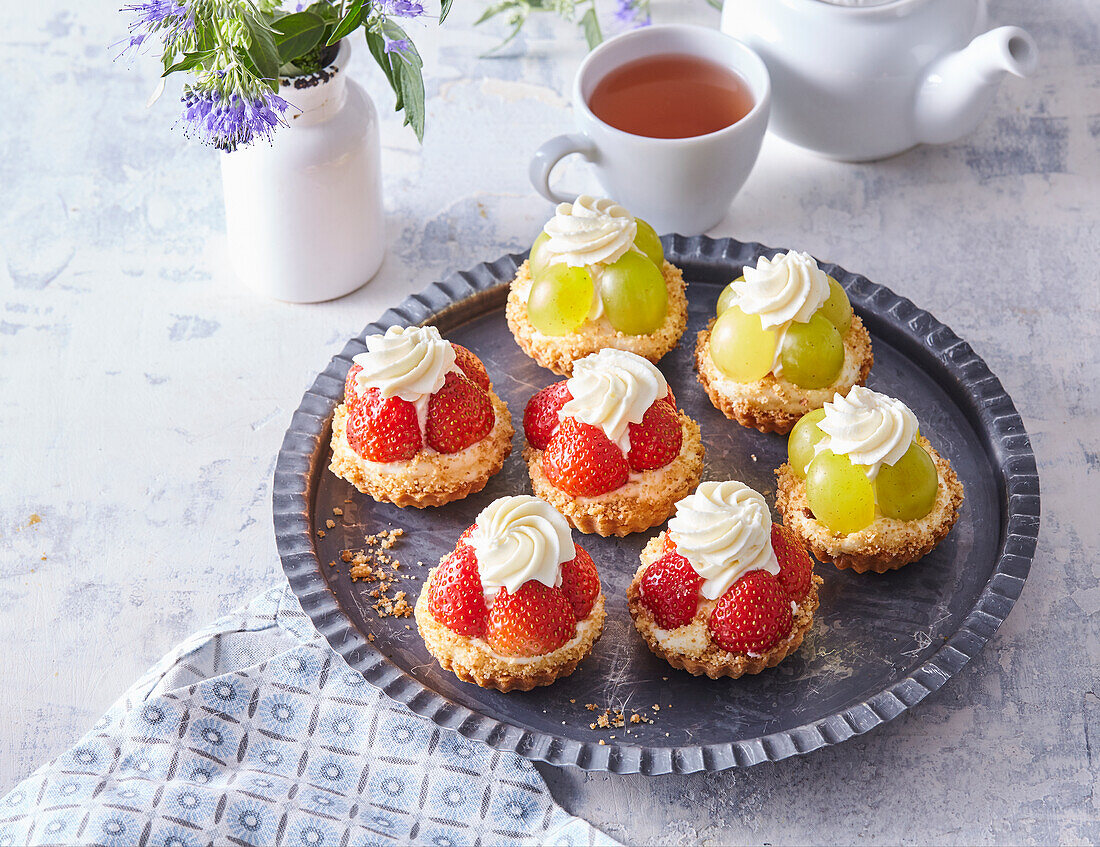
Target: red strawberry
x=383 y=430
x=455 y=597
x=656 y=440
x=463 y=539
x=795 y=566
x=351 y=385
x=459 y=414
x=580 y=583
x=535 y=620
x=670 y=398
x=540 y=418
x=582 y=461
x=670 y=589
x=471 y=366
x=753 y=615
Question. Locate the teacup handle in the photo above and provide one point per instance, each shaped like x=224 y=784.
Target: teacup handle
x=552 y=152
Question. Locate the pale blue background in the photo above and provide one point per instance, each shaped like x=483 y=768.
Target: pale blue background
x=143 y=395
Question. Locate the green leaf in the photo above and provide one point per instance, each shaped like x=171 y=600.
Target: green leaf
x=353 y=17
x=496 y=9
x=377 y=46
x=324 y=10
x=189 y=61
x=717 y=4
x=591 y=26
x=262 y=50
x=444 y=10
x=409 y=76
x=517 y=21
x=297 y=34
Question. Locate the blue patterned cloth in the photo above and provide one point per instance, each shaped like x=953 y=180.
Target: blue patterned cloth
x=253 y=732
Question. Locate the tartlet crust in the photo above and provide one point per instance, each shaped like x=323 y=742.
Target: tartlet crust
x=714 y=661
x=622 y=512
x=773 y=404
x=428 y=478
x=471 y=660
x=887 y=544
x=558 y=353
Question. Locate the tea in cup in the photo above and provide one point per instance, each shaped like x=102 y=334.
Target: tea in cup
x=672 y=118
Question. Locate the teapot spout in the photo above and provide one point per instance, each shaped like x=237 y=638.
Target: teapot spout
x=958 y=88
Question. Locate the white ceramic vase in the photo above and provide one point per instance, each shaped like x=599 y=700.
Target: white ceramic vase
x=304 y=212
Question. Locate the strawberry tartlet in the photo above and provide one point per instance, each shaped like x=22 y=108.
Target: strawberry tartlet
x=516 y=604
x=420 y=424
x=608 y=447
x=724 y=592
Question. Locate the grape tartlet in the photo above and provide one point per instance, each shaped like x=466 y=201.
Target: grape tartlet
x=863 y=488
x=596 y=278
x=420 y=424
x=516 y=604
x=608 y=448
x=783 y=342
x=724 y=592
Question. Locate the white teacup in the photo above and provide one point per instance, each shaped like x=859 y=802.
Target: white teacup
x=680 y=185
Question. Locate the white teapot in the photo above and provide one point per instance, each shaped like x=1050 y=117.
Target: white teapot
x=863 y=79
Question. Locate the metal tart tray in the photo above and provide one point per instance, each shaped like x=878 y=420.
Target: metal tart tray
x=879 y=644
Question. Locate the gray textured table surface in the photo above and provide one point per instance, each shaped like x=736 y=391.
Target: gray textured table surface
x=143 y=396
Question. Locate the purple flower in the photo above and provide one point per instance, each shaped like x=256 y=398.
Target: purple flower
x=168 y=17
x=402 y=8
x=398 y=45
x=231 y=120
x=633 y=13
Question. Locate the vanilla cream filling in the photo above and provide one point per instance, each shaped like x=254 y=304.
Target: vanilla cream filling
x=612 y=389
x=430 y=462
x=519 y=539
x=871 y=429
x=410 y=363
x=785 y=289
x=694 y=638
x=584 y=631
x=588 y=232
x=724 y=531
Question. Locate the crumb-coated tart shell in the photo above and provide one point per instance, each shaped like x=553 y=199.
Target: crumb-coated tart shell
x=704 y=657
x=559 y=352
x=472 y=660
x=887 y=543
x=773 y=404
x=428 y=478
x=643 y=502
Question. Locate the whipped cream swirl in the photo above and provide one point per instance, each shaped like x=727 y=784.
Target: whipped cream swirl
x=518 y=539
x=409 y=362
x=788 y=287
x=869 y=428
x=589 y=231
x=724 y=530
x=612 y=389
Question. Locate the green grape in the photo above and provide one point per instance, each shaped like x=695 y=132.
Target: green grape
x=838 y=309
x=839 y=493
x=728 y=295
x=907 y=490
x=741 y=348
x=803 y=439
x=538 y=259
x=813 y=353
x=560 y=299
x=635 y=298
x=649 y=243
